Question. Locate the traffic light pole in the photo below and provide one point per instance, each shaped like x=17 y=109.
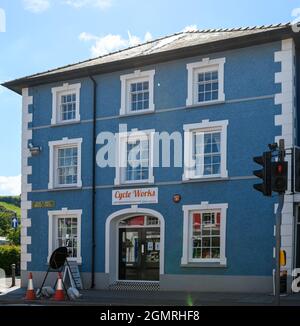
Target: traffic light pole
x=278 y=248
x=281 y=156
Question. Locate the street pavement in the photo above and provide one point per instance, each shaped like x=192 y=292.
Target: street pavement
x=15 y=296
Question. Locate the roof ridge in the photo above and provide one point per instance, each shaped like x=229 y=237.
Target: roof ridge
x=234 y=29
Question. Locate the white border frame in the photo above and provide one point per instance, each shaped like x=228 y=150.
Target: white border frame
x=137 y=76
x=64 y=212
x=287 y=121
x=112 y=239
x=26 y=186
x=193 y=69
x=53 y=145
x=205 y=125
x=204 y=206
x=121 y=153
x=66 y=88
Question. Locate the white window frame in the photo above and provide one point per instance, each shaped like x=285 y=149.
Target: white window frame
x=121 y=155
x=126 y=81
x=187 y=232
x=57 y=92
x=53 y=149
x=204 y=65
x=189 y=163
x=52 y=230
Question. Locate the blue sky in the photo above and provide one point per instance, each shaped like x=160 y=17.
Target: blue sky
x=42 y=34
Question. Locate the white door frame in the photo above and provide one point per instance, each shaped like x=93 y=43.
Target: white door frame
x=295 y=244
x=112 y=239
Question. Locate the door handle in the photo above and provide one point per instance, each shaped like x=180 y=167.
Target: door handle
x=142 y=249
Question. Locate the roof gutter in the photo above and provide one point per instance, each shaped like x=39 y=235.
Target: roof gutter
x=148 y=59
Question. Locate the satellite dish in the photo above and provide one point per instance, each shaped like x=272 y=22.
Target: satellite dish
x=58 y=257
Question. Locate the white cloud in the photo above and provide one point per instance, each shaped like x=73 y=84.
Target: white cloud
x=190 y=28
x=10 y=186
x=101 y=4
x=110 y=43
x=2 y=89
x=36 y=6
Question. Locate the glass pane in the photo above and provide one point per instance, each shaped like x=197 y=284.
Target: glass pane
x=214 y=95
x=214 y=75
x=131 y=247
x=214 y=86
x=133 y=87
x=201 y=97
x=133 y=221
x=216 y=253
x=207 y=76
x=201 y=77
x=206 y=235
x=206 y=253
x=207 y=97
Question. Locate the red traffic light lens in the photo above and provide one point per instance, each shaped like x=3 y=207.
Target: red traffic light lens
x=279 y=168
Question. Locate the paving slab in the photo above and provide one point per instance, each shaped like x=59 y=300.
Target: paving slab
x=153 y=298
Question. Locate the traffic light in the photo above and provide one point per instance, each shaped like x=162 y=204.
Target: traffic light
x=282 y=257
x=264 y=173
x=297 y=168
x=279 y=176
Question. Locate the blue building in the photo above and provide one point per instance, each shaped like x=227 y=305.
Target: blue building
x=97 y=176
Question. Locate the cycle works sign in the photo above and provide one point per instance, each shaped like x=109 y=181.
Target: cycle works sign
x=135 y=196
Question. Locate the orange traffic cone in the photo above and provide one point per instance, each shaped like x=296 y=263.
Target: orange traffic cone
x=59 y=293
x=30 y=294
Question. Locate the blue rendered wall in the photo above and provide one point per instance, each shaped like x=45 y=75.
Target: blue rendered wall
x=250 y=110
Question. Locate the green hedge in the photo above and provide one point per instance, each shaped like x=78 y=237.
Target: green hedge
x=10 y=255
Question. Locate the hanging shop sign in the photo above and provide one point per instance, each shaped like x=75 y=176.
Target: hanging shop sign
x=135 y=196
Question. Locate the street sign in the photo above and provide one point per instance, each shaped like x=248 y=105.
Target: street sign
x=43 y=204
x=14 y=222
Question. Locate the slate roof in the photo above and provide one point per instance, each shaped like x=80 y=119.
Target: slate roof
x=167 y=44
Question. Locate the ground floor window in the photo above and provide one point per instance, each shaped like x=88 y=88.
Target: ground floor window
x=64 y=231
x=204 y=233
x=67 y=234
x=205 y=239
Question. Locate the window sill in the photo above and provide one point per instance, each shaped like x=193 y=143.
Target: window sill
x=205 y=179
x=203 y=104
x=142 y=112
x=67 y=123
x=203 y=265
x=133 y=185
x=64 y=189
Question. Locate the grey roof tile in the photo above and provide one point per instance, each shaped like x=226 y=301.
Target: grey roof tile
x=160 y=45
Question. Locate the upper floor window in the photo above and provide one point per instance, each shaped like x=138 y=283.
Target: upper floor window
x=65 y=163
x=135 y=158
x=205 y=150
x=206 y=81
x=65 y=103
x=137 y=93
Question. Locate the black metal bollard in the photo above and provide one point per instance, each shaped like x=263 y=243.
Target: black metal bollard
x=13 y=275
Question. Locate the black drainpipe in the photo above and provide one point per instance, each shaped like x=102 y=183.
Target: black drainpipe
x=94 y=182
